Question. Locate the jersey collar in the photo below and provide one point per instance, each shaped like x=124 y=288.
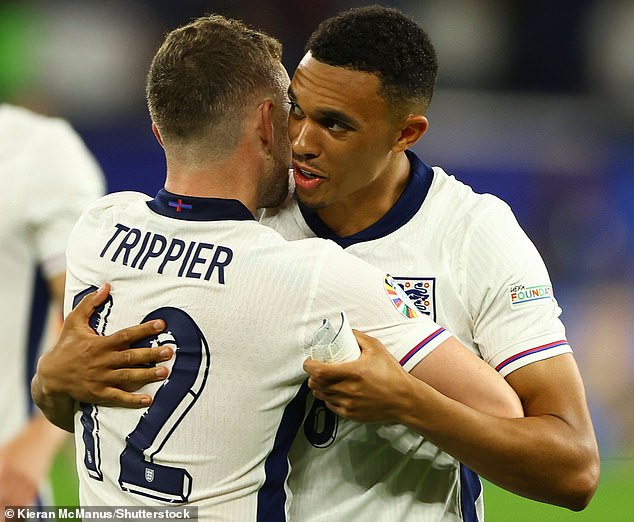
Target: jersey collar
x=198 y=209
x=410 y=201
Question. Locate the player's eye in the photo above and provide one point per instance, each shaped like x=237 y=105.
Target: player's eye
x=295 y=109
x=335 y=126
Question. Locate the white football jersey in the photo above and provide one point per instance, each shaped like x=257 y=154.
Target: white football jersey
x=463 y=259
x=48 y=177
x=241 y=306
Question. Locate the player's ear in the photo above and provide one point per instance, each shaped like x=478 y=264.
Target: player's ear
x=265 y=123
x=411 y=129
x=157 y=134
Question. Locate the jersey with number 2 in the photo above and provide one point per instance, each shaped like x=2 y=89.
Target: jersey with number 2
x=240 y=304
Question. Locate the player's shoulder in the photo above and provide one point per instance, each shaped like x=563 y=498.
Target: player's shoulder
x=48 y=149
x=20 y=117
x=309 y=245
x=454 y=200
x=308 y=250
x=287 y=219
x=124 y=197
x=24 y=125
x=113 y=204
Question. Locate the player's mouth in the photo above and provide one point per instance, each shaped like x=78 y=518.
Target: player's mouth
x=306 y=178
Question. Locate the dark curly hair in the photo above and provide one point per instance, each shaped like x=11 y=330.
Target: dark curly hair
x=382 y=41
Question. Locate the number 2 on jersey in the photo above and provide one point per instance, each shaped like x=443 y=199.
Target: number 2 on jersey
x=139 y=473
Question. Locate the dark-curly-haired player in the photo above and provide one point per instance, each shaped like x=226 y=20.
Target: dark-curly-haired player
x=358 y=102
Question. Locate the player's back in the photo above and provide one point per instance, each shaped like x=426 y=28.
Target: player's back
x=39 y=155
x=237 y=300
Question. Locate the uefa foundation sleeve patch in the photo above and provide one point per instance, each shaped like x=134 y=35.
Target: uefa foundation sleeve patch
x=520 y=294
x=399 y=298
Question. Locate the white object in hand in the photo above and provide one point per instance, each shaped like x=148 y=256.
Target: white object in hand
x=334 y=344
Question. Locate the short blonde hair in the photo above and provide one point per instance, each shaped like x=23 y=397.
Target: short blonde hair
x=204 y=76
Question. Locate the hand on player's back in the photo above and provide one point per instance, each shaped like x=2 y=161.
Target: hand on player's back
x=102 y=369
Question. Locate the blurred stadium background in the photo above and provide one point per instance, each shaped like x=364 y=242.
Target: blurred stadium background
x=535 y=103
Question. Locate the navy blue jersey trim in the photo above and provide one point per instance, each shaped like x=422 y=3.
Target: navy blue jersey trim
x=470 y=490
x=421 y=176
x=190 y=208
x=272 y=496
x=40 y=300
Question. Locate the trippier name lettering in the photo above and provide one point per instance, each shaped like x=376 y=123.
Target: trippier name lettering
x=152 y=251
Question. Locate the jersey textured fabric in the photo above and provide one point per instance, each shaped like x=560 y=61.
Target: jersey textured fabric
x=241 y=306
x=48 y=177
x=463 y=259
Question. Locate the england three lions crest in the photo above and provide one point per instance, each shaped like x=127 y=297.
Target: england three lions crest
x=421 y=291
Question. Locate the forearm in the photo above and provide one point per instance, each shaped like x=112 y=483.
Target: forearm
x=56 y=406
x=541 y=457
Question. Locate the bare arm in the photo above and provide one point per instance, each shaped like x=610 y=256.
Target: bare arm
x=358 y=388
x=83 y=366
x=25 y=459
x=550 y=455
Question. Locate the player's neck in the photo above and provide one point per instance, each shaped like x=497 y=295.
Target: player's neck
x=364 y=208
x=227 y=178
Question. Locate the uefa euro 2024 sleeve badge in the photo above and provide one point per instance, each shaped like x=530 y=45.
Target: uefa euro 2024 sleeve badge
x=399 y=298
x=420 y=292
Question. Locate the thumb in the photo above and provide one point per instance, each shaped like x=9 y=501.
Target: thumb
x=100 y=295
x=367 y=343
x=90 y=302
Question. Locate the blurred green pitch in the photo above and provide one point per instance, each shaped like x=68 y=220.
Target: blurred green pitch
x=613 y=501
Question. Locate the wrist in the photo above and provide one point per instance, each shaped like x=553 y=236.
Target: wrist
x=45 y=378
x=408 y=403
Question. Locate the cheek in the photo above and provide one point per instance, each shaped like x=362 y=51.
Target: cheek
x=361 y=166
x=293 y=129
x=352 y=156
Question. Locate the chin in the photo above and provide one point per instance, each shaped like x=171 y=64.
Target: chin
x=275 y=200
x=311 y=205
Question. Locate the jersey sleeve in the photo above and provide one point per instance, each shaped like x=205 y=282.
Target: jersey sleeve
x=514 y=311
x=65 y=179
x=375 y=305
x=85 y=266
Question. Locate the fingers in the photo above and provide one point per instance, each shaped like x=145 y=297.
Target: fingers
x=324 y=374
x=141 y=356
x=340 y=409
x=321 y=394
x=332 y=390
x=330 y=371
x=124 y=383
x=90 y=302
x=122 y=339
x=131 y=379
x=123 y=399
x=311 y=366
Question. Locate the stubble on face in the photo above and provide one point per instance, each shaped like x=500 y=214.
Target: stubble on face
x=276 y=188
x=276 y=185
